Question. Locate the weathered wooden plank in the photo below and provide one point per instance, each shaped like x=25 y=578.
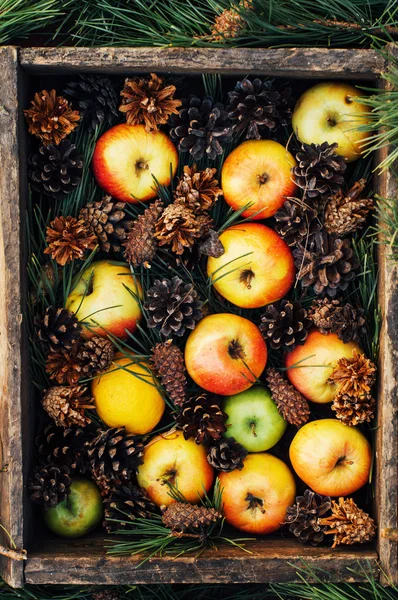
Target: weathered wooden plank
x=283 y=62
x=272 y=560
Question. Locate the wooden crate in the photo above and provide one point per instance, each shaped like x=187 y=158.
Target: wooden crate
x=85 y=561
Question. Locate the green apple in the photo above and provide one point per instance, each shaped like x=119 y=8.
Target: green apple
x=253 y=419
x=79 y=513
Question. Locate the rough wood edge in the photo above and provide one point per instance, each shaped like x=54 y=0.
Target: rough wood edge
x=285 y=62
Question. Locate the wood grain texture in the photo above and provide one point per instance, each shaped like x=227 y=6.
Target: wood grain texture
x=283 y=62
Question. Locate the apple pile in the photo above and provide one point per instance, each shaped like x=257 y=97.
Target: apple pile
x=195 y=310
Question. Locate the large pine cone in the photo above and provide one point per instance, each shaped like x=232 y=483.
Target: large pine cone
x=66 y=405
x=51 y=118
x=126 y=503
x=202 y=418
x=173 y=306
x=184 y=518
x=68 y=239
x=114 y=454
x=226 y=454
x=141 y=244
x=97 y=99
x=168 y=362
x=303 y=517
x=50 y=485
x=345 y=213
x=198 y=189
x=59 y=328
x=354 y=410
x=95 y=355
x=330 y=316
x=320 y=171
x=65 y=447
x=291 y=404
x=108 y=221
x=348 y=523
x=180 y=227
x=296 y=221
x=201 y=127
x=57 y=170
x=285 y=324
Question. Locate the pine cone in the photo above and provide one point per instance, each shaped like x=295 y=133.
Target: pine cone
x=64 y=365
x=255 y=106
x=108 y=221
x=56 y=170
x=50 y=485
x=345 y=213
x=180 y=227
x=226 y=455
x=141 y=245
x=59 y=328
x=285 y=324
x=291 y=404
x=147 y=100
x=296 y=221
x=211 y=245
x=354 y=376
x=63 y=447
x=95 y=355
x=352 y=410
x=202 y=418
x=114 y=454
x=68 y=239
x=173 y=306
x=303 y=517
x=125 y=503
x=201 y=127
x=97 y=99
x=51 y=118
x=198 y=189
x=348 y=523
x=66 y=405
x=330 y=316
x=230 y=23
x=182 y=518
x=168 y=362
x=319 y=171
x=327 y=263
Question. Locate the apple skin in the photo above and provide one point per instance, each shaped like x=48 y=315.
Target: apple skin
x=116 y=157
x=241 y=172
x=260 y=250
x=109 y=282
x=319 y=445
x=253 y=419
x=183 y=462
x=208 y=359
x=79 y=513
x=326 y=113
x=266 y=478
x=318 y=349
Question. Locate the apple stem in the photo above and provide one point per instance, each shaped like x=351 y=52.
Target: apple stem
x=253 y=428
x=246 y=277
x=262 y=178
x=344 y=461
x=254 y=502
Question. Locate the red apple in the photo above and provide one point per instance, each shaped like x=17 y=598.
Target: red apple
x=127 y=159
x=333 y=459
x=225 y=354
x=257 y=267
x=258 y=172
x=171 y=458
x=310 y=365
x=256 y=498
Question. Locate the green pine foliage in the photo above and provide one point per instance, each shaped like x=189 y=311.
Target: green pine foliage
x=20 y=18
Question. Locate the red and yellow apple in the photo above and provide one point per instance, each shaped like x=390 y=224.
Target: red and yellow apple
x=256 y=498
x=309 y=366
x=105 y=300
x=127 y=160
x=333 y=459
x=257 y=172
x=329 y=112
x=225 y=354
x=257 y=267
x=169 y=458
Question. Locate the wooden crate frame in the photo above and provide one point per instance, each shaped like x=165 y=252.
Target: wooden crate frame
x=85 y=561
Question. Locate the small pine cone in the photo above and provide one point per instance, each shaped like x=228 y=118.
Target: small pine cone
x=108 y=221
x=107 y=594
x=320 y=171
x=126 y=503
x=114 y=454
x=180 y=227
x=95 y=355
x=198 y=189
x=173 y=306
x=141 y=245
x=68 y=239
x=64 y=365
x=201 y=418
x=303 y=517
x=149 y=101
x=211 y=245
x=65 y=447
x=230 y=23
x=348 y=523
x=345 y=213
x=97 y=99
x=56 y=171
x=51 y=118
x=285 y=324
x=291 y=404
x=59 y=328
x=67 y=405
x=354 y=376
x=352 y=410
x=168 y=362
x=330 y=316
x=50 y=485
x=182 y=518
x=226 y=455
x=296 y=221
